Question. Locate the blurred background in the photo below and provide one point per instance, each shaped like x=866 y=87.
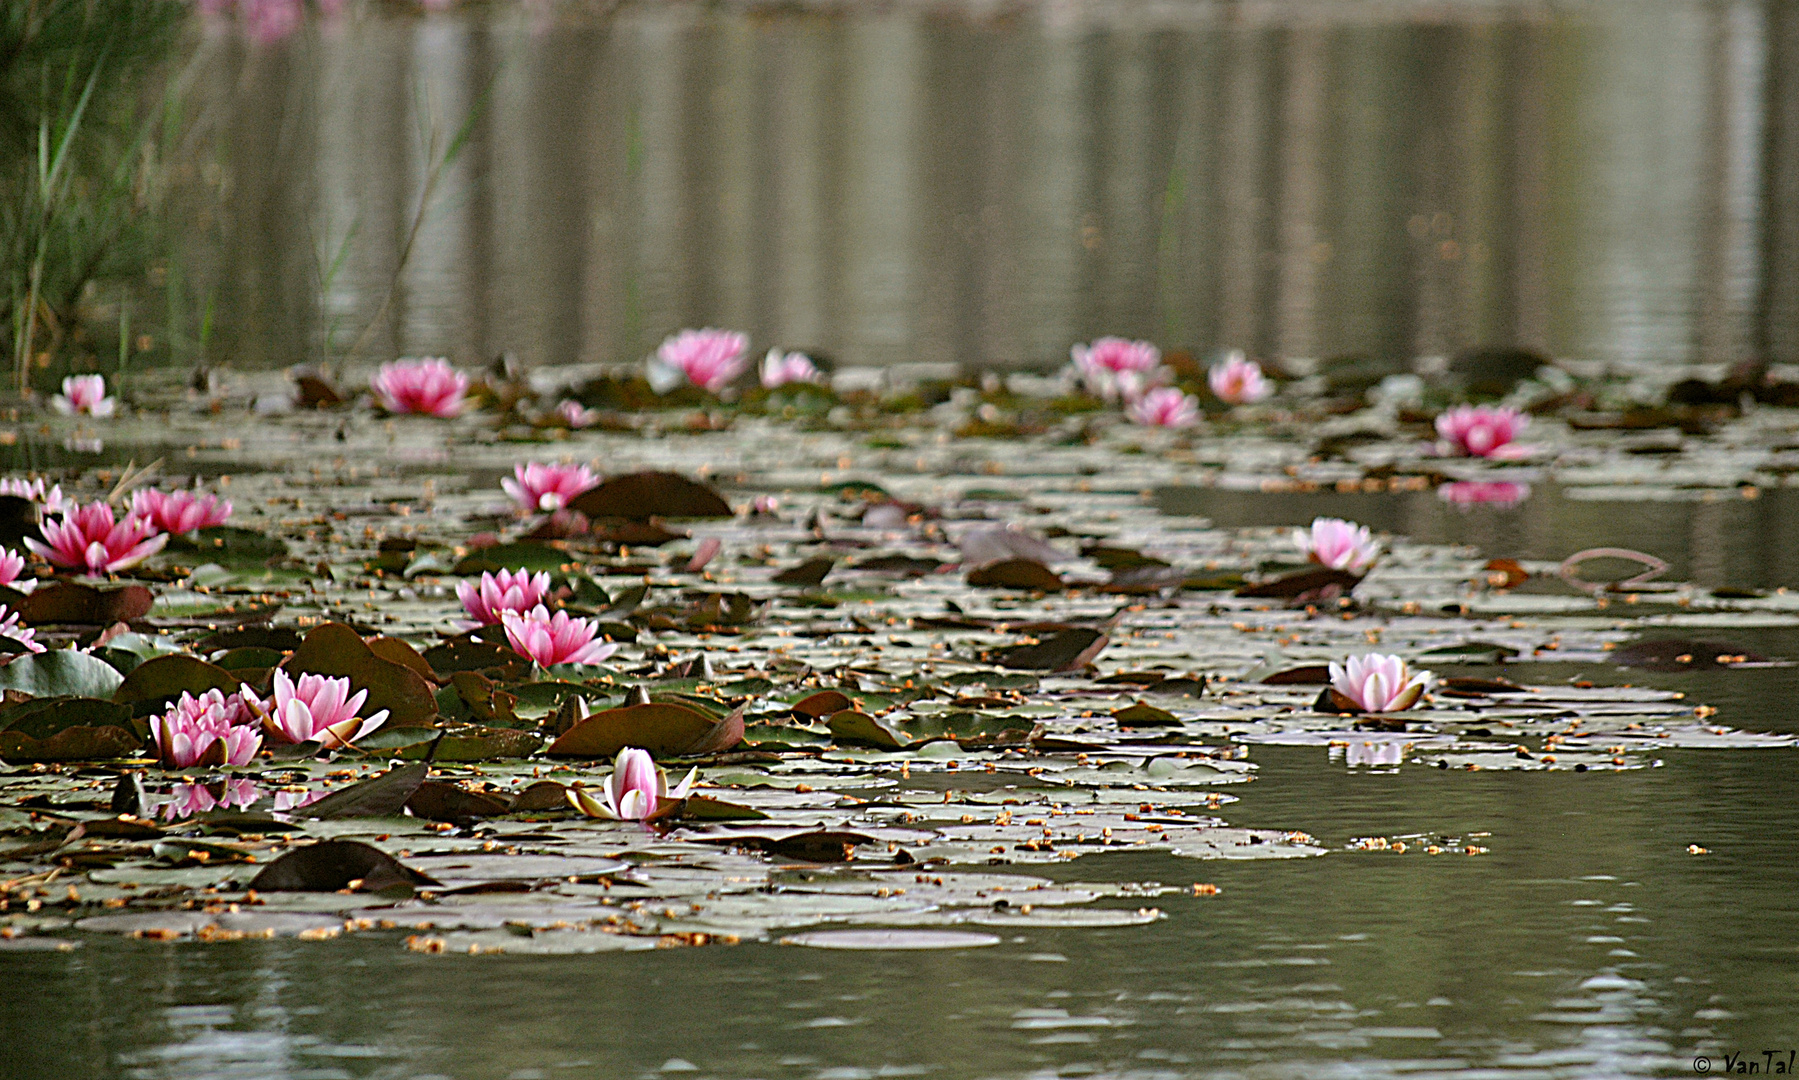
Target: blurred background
x=265 y=182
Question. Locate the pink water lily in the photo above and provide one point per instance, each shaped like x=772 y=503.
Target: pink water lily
x=1338 y=544
x=211 y=729
x=1238 y=381
x=1377 y=683
x=709 y=359
x=634 y=791
x=1481 y=431
x=536 y=486
x=12 y=564
x=1111 y=366
x=779 y=369
x=575 y=415
x=1164 y=407
x=429 y=387
x=1499 y=492
x=554 y=639
x=509 y=590
x=90 y=539
x=314 y=708
x=84 y=394
x=180 y=511
x=52 y=501
x=24 y=635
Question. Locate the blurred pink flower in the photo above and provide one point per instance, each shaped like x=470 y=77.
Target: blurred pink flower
x=84 y=394
x=88 y=539
x=428 y=387
x=211 y=729
x=12 y=564
x=1338 y=544
x=1111 y=366
x=24 y=635
x=316 y=707
x=510 y=590
x=537 y=486
x=779 y=369
x=634 y=791
x=1238 y=381
x=1164 y=407
x=1468 y=492
x=1481 y=431
x=52 y=501
x=709 y=359
x=576 y=415
x=554 y=639
x=1376 y=682
x=180 y=511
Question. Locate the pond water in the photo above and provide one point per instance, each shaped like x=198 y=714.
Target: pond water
x=983 y=185
x=1587 y=944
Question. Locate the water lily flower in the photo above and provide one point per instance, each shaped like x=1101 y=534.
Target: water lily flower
x=180 y=511
x=186 y=799
x=779 y=369
x=52 y=501
x=1111 y=364
x=709 y=359
x=12 y=564
x=554 y=639
x=1377 y=683
x=1338 y=544
x=1481 y=431
x=633 y=792
x=1468 y=492
x=429 y=387
x=537 y=486
x=1164 y=407
x=10 y=628
x=211 y=729
x=89 y=539
x=84 y=394
x=575 y=415
x=314 y=708
x=1238 y=381
x=510 y=590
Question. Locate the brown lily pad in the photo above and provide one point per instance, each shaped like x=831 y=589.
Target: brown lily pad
x=80 y=603
x=1016 y=574
x=664 y=730
x=645 y=495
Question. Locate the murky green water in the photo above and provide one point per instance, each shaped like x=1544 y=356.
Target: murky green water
x=1588 y=943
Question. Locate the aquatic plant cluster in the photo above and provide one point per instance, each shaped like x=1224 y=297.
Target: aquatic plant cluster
x=515 y=664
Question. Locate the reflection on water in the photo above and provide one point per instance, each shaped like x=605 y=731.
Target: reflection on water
x=901 y=183
x=1585 y=944
x=1715 y=538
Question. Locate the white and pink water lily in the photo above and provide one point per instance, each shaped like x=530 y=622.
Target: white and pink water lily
x=314 y=708
x=24 y=635
x=710 y=359
x=180 y=511
x=494 y=594
x=1377 y=683
x=1237 y=380
x=12 y=564
x=1164 y=407
x=779 y=368
x=634 y=791
x=575 y=414
x=1113 y=367
x=1486 y=431
x=540 y=487
x=84 y=395
x=555 y=639
x=1338 y=544
x=211 y=729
